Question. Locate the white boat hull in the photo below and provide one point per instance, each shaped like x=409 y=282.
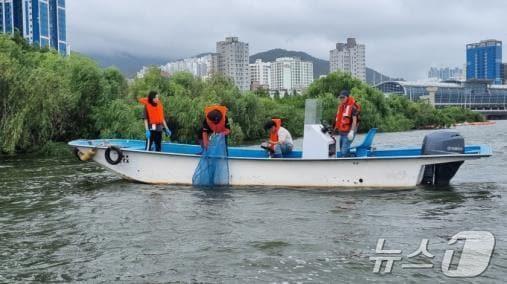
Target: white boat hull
x=385 y=172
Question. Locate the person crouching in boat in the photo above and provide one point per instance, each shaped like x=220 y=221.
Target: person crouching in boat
x=154 y=121
x=347 y=121
x=215 y=122
x=280 y=141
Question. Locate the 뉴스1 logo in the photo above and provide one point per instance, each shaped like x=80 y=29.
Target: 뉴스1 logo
x=475 y=256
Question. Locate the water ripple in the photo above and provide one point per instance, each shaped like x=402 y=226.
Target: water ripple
x=64 y=221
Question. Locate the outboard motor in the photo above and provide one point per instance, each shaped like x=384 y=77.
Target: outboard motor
x=442 y=143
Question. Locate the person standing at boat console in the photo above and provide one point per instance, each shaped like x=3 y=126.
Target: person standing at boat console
x=154 y=121
x=215 y=122
x=280 y=141
x=347 y=121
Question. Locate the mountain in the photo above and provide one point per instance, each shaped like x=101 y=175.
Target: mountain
x=202 y=54
x=128 y=64
x=320 y=66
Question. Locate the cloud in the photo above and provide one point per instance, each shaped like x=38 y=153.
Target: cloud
x=403 y=38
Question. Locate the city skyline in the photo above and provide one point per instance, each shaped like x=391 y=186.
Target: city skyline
x=404 y=38
x=446 y=73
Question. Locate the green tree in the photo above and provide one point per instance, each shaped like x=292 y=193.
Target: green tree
x=276 y=95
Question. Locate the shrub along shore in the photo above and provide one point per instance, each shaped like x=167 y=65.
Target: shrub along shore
x=46 y=98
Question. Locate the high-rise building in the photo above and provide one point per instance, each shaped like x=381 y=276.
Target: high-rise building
x=350 y=58
x=233 y=61
x=289 y=74
x=260 y=74
x=6 y=16
x=41 y=22
x=484 y=60
x=504 y=73
x=201 y=67
x=446 y=73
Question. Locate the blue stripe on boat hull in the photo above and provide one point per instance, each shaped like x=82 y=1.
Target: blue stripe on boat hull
x=241 y=152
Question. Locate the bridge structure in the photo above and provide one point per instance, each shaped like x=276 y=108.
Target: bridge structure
x=477 y=95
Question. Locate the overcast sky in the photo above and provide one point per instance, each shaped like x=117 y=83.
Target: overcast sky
x=403 y=37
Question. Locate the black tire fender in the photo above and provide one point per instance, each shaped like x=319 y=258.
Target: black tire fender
x=119 y=155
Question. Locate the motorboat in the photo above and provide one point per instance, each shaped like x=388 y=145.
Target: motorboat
x=317 y=164
x=435 y=162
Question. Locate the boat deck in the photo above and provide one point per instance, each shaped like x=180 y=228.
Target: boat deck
x=248 y=152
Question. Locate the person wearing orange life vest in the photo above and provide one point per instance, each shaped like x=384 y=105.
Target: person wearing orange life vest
x=280 y=140
x=215 y=122
x=154 y=121
x=347 y=121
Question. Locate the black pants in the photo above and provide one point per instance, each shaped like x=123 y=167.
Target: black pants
x=155 y=137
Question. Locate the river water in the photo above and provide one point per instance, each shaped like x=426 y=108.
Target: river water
x=67 y=221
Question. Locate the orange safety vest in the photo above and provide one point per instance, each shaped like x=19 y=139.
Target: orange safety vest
x=155 y=113
x=273 y=135
x=220 y=126
x=343 y=121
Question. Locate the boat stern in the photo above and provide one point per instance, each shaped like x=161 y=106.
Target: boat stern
x=442 y=143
